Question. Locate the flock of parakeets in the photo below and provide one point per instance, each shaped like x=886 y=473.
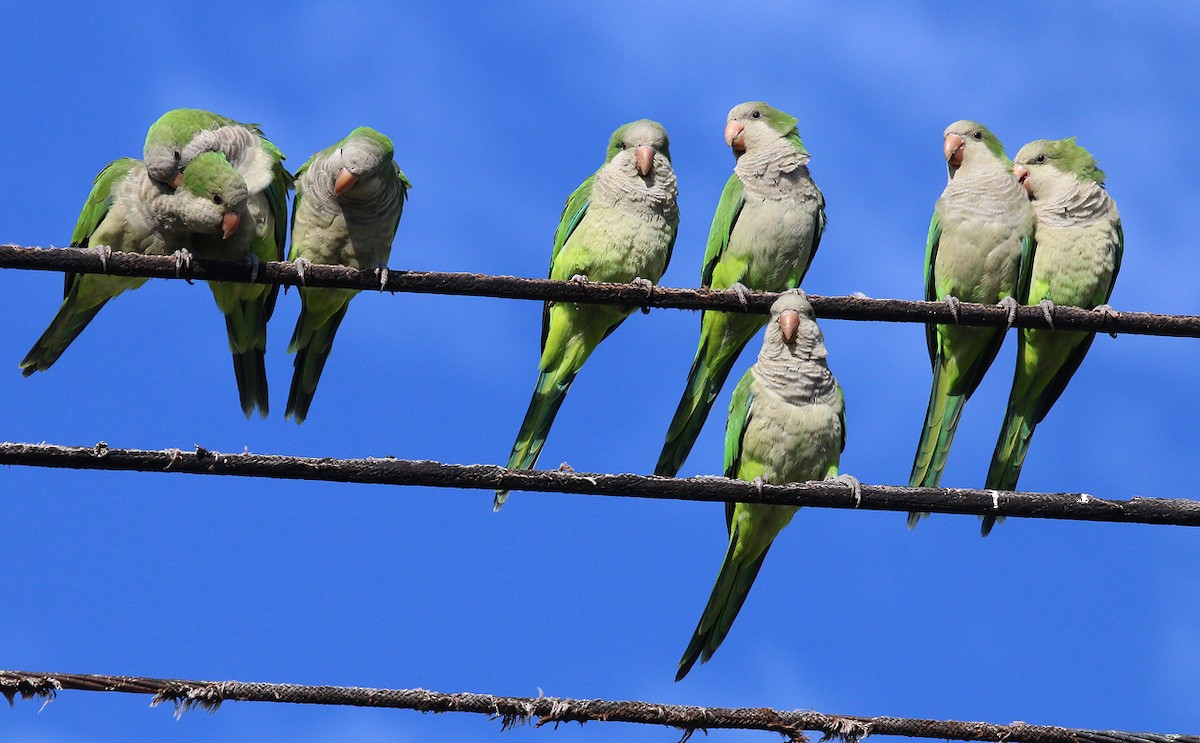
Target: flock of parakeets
x=1042 y=230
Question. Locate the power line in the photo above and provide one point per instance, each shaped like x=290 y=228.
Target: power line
x=540 y=711
x=511 y=287
x=388 y=471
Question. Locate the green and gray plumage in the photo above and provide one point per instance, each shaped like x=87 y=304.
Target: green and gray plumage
x=171 y=144
x=346 y=211
x=127 y=211
x=979 y=249
x=763 y=237
x=1079 y=248
x=618 y=226
x=786 y=424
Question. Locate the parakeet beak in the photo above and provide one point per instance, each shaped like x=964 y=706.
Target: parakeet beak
x=953 y=147
x=229 y=224
x=345 y=180
x=176 y=181
x=735 y=136
x=789 y=325
x=645 y=159
x=1022 y=174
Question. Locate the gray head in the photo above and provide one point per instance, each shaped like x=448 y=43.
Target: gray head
x=637 y=145
x=364 y=155
x=969 y=141
x=755 y=124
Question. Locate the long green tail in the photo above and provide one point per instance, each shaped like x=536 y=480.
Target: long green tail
x=548 y=396
x=66 y=326
x=246 y=328
x=730 y=592
x=722 y=338
x=311 y=346
x=941 y=421
x=1009 y=456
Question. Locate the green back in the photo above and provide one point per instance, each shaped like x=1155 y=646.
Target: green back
x=572 y=214
x=733 y=198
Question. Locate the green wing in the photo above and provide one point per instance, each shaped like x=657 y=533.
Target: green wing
x=733 y=198
x=931 y=248
x=99 y=201
x=822 y=220
x=1117 y=259
x=405 y=184
x=1028 y=246
x=572 y=215
x=735 y=432
x=842 y=416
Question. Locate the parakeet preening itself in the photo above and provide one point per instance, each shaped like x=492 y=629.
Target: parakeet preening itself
x=763 y=237
x=787 y=423
x=1079 y=248
x=980 y=248
x=171 y=144
x=618 y=226
x=346 y=211
x=127 y=211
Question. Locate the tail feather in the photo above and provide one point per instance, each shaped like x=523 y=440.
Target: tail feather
x=729 y=593
x=66 y=326
x=311 y=343
x=941 y=421
x=548 y=396
x=1009 y=456
x=246 y=328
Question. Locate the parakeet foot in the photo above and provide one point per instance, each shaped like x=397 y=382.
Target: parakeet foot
x=1009 y=304
x=301 y=264
x=952 y=304
x=183 y=259
x=104 y=253
x=758 y=483
x=648 y=285
x=1109 y=314
x=743 y=293
x=381 y=273
x=253 y=262
x=854 y=485
x=1047 y=311
x=579 y=278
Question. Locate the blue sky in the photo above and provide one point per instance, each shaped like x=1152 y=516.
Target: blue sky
x=497 y=114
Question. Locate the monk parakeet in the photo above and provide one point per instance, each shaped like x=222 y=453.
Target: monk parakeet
x=980 y=249
x=1079 y=248
x=127 y=211
x=766 y=229
x=618 y=226
x=787 y=423
x=347 y=207
x=171 y=144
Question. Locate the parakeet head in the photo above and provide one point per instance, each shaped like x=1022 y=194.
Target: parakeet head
x=213 y=193
x=638 y=145
x=789 y=312
x=969 y=141
x=753 y=124
x=167 y=139
x=1043 y=162
x=364 y=155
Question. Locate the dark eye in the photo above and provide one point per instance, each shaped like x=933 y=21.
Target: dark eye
x=756 y=115
x=977 y=135
x=624 y=146
x=217 y=199
x=177 y=156
x=1040 y=159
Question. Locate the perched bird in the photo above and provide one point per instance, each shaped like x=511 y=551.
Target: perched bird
x=1079 y=248
x=980 y=248
x=171 y=144
x=618 y=226
x=766 y=229
x=787 y=423
x=127 y=211
x=346 y=211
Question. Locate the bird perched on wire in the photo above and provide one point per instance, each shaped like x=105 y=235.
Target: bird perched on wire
x=618 y=226
x=766 y=230
x=980 y=248
x=347 y=207
x=1079 y=247
x=787 y=423
x=172 y=143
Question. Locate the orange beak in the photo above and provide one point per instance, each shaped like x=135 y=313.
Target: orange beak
x=645 y=160
x=1022 y=174
x=953 y=147
x=176 y=181
x=229 y=224
x=789 y=325
x=735 y=136
x=345 y=180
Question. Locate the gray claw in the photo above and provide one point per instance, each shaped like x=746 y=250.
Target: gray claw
x=1109 y=314
x=183 y=259
x=301 y=264
x=743 y=294
x=758 y=483
x=253 y=262
x=579 y=278
x=1009 y=304
x=1047 y=311
x=104 y=252
x=854 y=485
x=381 y=272
x=648 y=285
x=952 y=304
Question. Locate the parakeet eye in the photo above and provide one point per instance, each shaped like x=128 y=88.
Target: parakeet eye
x=1040 y=159
x=977 y=135
x=177 y=156
x=217 y=199
x=756 y=115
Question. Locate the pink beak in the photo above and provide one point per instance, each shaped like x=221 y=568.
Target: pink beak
x=735 y=136
x=345 y=180
x=229 y=224
x=645 y=160
x=953 y=147
x=789 y=325
x=1022 y=174
x=176 y=181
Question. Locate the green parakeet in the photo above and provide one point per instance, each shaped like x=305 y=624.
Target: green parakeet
x=1079 y=248
x=346 y=211
x=127 y=211
x=171 y=144
x=618 y=226
x=787 y=423
x=980 y=248
x=764 y=235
